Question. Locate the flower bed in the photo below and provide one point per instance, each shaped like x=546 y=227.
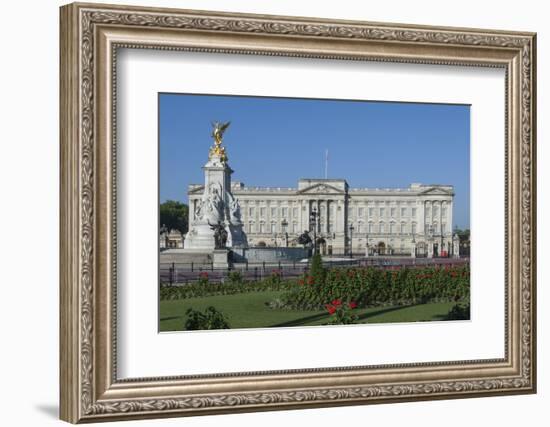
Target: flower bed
x=374 y=287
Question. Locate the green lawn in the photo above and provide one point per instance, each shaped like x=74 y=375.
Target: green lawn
x=249 y=310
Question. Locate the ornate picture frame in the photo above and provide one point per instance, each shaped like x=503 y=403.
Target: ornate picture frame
x=90 y=37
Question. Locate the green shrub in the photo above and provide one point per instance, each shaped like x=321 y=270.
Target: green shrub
x=202 y=289
x=459 y=312
x=235 y=277
x=210 y=319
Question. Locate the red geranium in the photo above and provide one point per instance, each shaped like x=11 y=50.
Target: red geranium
x=337 y=302
x=310 y=280
x=352 y=305
x=330 y=308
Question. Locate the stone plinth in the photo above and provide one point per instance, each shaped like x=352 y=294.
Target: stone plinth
x=221 y=258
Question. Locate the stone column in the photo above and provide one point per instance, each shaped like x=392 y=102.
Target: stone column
x=456 y=246
x=430 y=248
x=421 y=217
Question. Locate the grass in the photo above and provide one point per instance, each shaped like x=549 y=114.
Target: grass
x=249 y=310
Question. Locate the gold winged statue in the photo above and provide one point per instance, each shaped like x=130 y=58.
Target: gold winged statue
x=218 y=129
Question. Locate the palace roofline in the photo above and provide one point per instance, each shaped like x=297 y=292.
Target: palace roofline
x=413 y=188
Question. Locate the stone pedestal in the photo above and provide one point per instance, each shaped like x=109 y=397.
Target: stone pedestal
x=217 y=206
x=220 y=258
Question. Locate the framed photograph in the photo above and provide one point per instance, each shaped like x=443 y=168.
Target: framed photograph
x=266 y=212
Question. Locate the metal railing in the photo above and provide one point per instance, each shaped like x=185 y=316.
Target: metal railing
x=187 y=273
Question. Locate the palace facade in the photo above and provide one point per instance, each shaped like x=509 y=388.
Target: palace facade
x=417 y=219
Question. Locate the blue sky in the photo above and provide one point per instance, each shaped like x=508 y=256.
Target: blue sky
x=276 y=141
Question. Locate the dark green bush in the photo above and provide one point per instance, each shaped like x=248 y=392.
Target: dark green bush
x=210 y=319
x=235 y=277
x=316 y=270
x=459 y=312
x=194 y=290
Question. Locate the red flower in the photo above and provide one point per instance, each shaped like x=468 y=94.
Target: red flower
x=310 y=280
x=337 y=302
x=352 y=305
x=301 y=282
x=330 y=308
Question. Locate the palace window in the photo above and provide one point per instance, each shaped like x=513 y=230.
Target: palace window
x=262 y=227
x=351 y=211
x=284 y=227
x=413 y=214
x=284 y=212
x=360 y=227
x=273 y=212
x=392 y=212
x=443 y=227
x=273 y=227
x=436 y=211
x=262 y=212
x=294 y=228
x=295 y=212
x=251 y=227
x=413 y=228
x=360 y=212
x=403 y=211
x=371 y=212
x=403 y=228
x=382 y=228
x=251 y=212
x=382 y=212
x=392 y=228
x=371 y=227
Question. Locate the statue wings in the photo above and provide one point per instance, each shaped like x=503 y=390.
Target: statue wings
x=219 y=128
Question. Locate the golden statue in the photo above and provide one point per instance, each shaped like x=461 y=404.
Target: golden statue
x=218 y=130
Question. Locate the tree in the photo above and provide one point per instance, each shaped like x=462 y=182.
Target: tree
x=463 y=235
x=174 y=215
x=316 y=270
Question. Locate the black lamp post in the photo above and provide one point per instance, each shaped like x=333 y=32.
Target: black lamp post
x=313 y=223
x=351 y=228
x=284 y=223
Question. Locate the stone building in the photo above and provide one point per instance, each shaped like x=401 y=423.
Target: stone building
x=413 y=221
x=171 y=240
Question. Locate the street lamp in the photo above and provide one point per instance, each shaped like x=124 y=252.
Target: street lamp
x=351 y=228
x=284 y=223
x=313 y=223
x=367 y=244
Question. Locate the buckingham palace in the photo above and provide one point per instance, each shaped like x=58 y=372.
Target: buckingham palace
x=372 y=221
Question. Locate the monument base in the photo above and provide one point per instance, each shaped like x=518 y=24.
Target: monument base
x=220 y=258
